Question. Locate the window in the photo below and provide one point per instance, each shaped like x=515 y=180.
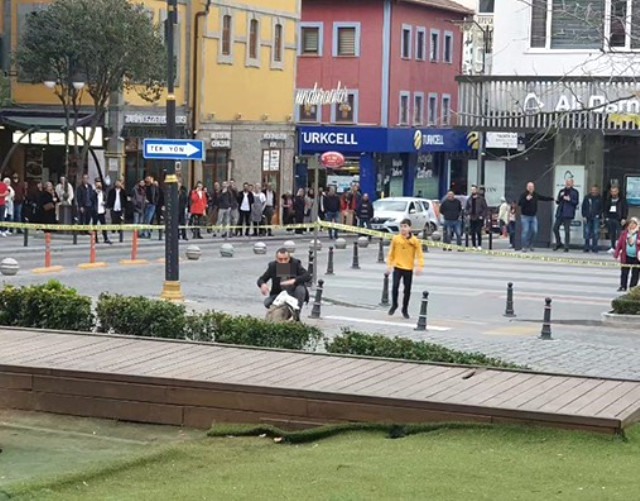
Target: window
x=447 y=51
x=433 y=109
x=405 y=49
x=215 y=168
x=574 y=24
x=403 y=111
x=435 y=46
x=308 y=113
x=310 y=39
x=226 y=35
x=418 y=108
x=446 y=109
x=346 y=112
x=486 y=6
x=277 y=43
x=346 y=40
x=623 y=24
x=421 y=39
x=253 y=39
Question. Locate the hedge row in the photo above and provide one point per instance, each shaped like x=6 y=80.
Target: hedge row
x=627 y=304
x=54 y=306
x=368 y=345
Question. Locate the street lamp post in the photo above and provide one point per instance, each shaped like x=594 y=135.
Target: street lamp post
x=171 y=286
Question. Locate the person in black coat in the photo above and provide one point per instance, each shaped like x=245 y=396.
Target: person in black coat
x=298 y=209
x=285 y=273
x=183 y=202
x=84 y=195
x=47 y=206
x=245 y=201
x=117 y=204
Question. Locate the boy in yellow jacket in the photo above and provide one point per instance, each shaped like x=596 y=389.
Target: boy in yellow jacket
x=405 y=247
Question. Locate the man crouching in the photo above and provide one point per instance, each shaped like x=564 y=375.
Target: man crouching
x=286 y=274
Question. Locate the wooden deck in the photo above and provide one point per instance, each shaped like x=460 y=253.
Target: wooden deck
x=192 y=384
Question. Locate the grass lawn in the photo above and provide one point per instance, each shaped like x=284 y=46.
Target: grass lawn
x=502 y=463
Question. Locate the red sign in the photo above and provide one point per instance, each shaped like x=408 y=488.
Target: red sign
x=332 y=159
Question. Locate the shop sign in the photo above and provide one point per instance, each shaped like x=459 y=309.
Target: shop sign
x=274 y=136
x=318 y=95
x=330 y=138
x=221 y=140
x=597 y=103
x=332 y=159
x=144 y=119
x=502 y=140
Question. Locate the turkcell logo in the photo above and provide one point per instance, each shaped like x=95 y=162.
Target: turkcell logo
x=331 y=138
x=421 y=139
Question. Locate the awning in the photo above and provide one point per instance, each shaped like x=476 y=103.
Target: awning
x=39 y=121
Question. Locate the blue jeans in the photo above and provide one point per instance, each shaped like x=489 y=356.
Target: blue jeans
x=149 y=212
x=332 y=217
x=17 y=214
x=529 y=230
x=591 y=231
x=614 y=227
x=453 y=228
x=138 y=218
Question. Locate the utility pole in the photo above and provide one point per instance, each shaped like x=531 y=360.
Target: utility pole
x=171 y=287
x=482 y=139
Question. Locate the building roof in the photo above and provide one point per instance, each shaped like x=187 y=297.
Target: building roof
x=449 y=5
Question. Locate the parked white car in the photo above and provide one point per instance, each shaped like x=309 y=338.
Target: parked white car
x=388 y=212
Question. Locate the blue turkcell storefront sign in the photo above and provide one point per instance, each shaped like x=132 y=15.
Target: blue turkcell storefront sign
x=318 y=139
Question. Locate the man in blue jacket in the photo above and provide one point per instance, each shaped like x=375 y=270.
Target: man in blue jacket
x=568 y=199
x=591 y=214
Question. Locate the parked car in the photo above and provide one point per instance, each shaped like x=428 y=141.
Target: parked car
x=388 y=212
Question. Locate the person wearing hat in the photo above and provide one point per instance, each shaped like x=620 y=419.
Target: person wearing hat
x=628 y=251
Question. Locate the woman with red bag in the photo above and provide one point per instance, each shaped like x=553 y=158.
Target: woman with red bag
x=628 y=250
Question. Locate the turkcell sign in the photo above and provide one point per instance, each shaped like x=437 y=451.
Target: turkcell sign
x=318 y=139
x=173 y=149
x=334 y=138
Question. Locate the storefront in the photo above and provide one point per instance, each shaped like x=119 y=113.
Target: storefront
x=386 y=161
x=586 y=128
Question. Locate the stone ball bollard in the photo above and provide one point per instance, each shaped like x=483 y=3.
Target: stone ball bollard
x=226 y=250
x=193 y=252
x=436 y=236
x=260 y=248
x=9 y=266
x=290 y=245
x=363 y=242
x=341 y=243
x=317 y=244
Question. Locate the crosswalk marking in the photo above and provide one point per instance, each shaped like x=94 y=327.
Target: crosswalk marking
x=384 y=322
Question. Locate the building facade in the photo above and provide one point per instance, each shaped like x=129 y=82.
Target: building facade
x=563 y=93
x=234 y=88
x=383 y=70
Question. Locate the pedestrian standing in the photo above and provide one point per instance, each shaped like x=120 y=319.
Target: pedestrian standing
x=528 y=203
x=198 y=209
x=270 y=199
x=405 y=249
x=503 y=216
x=224 y=209
x=4 y=194
x=116 y=203
x=99 y=209
x=257 y=210
x=511 y=227
x=151 y=195
x=591 y=213
x=451 y=210
x=84 y=195
x=213 y=207
x=568 y=199
x=47 y=205
x=138 y=202
x=476 y=210
x=628 y=251
x=298 y=209
x=332 y=210
x=20 y=190
x=9 y=204
x=245 y=201
x=235 y=213
x=615 y=212
x=183 y=202
x=365 y=213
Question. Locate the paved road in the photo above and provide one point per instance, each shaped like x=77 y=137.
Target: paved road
x=467 y=298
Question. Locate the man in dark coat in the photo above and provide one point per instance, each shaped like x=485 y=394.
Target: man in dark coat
x=286 y=274
x=84 y=197
x=568 y=199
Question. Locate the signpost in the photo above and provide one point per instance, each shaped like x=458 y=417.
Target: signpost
x=174 y=149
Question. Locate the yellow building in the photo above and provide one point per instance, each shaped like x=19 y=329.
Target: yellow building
x=234 y=89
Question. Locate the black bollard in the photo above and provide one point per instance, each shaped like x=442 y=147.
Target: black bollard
x=311 y=265
x=355 y=264
x=381 y=251
x=545 y=333
x=385 y=290
x=509 y=312
x=317 y=303
x=26 y=237
x=121 y=237
x=466 y=237
x=490 y=236
x=422 y=318
x=330 y=262
x=160 y=234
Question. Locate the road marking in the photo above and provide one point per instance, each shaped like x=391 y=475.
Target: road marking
x=513 y=330
x=383 y=322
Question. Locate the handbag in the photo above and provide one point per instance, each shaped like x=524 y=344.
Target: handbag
x=49 y=206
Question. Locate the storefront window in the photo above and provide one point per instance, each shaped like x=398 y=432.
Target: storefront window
x=215 y=167
x=427 y=180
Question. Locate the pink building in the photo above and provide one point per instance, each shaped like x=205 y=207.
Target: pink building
x=398 y=60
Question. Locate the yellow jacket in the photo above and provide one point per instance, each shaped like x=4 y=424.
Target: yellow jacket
x=403 y=252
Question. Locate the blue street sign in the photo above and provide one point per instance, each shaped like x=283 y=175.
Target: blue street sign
x=174 y=149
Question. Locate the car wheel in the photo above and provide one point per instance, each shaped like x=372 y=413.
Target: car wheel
x=427 y=230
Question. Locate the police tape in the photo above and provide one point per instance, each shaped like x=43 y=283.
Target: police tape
x=132 y=227
x=493 y=253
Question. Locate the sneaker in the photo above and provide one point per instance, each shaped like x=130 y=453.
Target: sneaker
x=478 y=248
x=524 y=249
x=3 y=234
x=392 y=310
x=622 y=289
x=611 y=251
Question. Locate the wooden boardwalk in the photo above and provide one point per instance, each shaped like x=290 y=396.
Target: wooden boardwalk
x=192 y=384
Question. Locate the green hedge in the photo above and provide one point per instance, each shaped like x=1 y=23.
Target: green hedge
x=140 y=316
x=628 y=304
x=356 y=343
x=45 y=306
